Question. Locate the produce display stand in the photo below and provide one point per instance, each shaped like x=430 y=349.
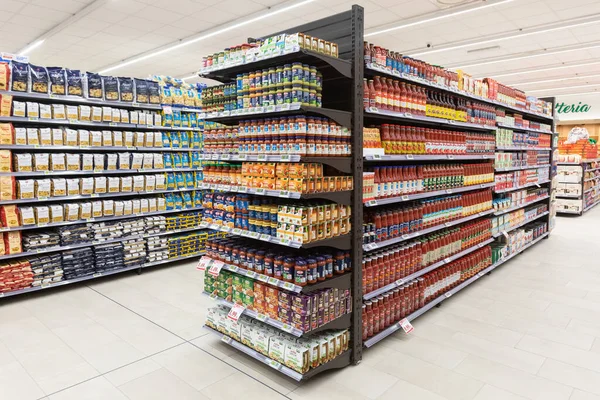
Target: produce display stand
x=589 y=197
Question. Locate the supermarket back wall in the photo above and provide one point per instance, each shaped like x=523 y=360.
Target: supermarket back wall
x=583 y=107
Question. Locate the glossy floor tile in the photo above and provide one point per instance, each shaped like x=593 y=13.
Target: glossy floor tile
x=528 y=331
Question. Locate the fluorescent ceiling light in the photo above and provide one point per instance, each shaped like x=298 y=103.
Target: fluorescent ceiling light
x=553 y=80
x=432 y=19
x=206 y=36
x=539 y=70
x=563 y=88
x=525 y=57
x=498 y=39
x=31 y=47
x=578 y=94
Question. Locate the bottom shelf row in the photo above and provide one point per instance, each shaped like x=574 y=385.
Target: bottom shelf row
x=378 y=325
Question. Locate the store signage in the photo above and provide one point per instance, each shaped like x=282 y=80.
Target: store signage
x=578 y=108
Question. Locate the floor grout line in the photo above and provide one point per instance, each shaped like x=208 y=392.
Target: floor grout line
x=185 y=341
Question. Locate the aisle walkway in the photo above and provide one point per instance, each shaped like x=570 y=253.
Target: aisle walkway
x=531 y=330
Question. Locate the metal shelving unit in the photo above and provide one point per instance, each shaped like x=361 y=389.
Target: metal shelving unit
x=376 y=116
x=342 y=102
x=583 y=193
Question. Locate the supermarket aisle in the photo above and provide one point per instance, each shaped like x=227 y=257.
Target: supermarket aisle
x=529 y=331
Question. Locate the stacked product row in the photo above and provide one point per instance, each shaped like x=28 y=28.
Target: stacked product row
x=301 y=135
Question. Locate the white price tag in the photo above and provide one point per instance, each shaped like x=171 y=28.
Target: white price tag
x=371 y=203
x=259 y=191
x=447 y=295
x=242 y=157
x=274 y=364
x=405 y=198
x=261 y=317
x=273 y=281
x=284 y=157
x=264 y=237
x=450 y=157
x=225 y=157
x=215 y=268
x=236 y=312
x=373 y=109
x=447 y=260
x=97 y=274
x=410 y=157
x=236 y=231
x=261 y=157
x=36 y=119
x=284 y=242
x=286 y=328
x=406 y=326
x=448 y=191
x=288 y=285
x=250 y=274
x=405 y=236
x=262 y=278
x=451 y=121
x=399 y=282
x=284 y=193
x=203 y=263
x=254 y=235
x=376 y=156
x=408 y=115
x=226 y=339
x=242 y=189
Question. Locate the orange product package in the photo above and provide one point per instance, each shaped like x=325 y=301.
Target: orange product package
x=7 y=132
x=9 y=216
x=12 y=242
x=6 y=105
x=4 y=76
x=5 y=161
x=8 y=186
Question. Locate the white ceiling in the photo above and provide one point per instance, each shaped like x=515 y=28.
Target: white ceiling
x=117 y=30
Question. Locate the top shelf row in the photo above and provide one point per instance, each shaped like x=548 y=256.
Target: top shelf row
x=229 y=70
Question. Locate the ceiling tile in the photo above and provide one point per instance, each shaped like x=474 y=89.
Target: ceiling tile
x=159 y=15
x=11 y=5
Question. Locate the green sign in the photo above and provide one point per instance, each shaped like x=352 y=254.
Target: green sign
x=564 y=108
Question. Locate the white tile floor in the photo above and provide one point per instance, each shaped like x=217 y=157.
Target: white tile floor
x=531 y=330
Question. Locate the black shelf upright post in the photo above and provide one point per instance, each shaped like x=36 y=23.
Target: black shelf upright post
x=553 y=168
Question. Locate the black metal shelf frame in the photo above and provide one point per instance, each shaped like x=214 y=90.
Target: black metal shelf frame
x=342 y=102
